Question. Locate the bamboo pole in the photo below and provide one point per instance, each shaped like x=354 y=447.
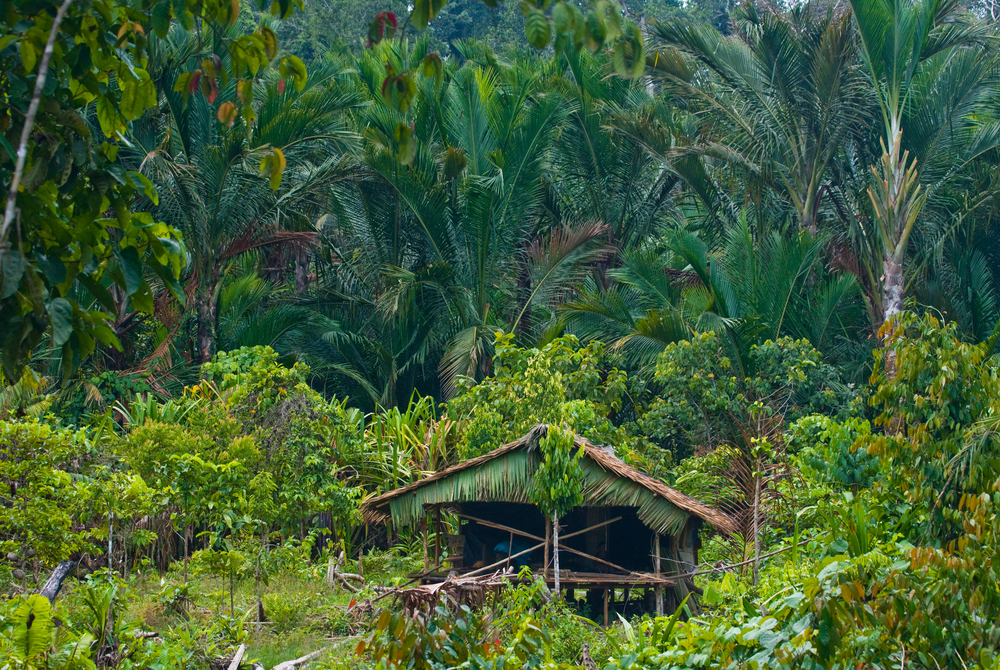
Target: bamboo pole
x=555 y=549
x=548 y=540
x=658 y=589
x=427 y=558
x=498 y=526
x=607 y=620
x=437 y=537
x=483 y=569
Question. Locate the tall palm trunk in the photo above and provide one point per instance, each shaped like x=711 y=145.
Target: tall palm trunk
x=897 y=199
x=893 y=291
x=207 y=315
x=301 y=270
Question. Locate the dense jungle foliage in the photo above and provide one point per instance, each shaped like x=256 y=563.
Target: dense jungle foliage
x=262 y=262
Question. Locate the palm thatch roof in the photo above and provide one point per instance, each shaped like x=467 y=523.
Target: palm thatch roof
x=505 y=475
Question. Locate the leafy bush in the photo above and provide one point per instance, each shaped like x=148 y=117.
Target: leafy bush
x=562 y=382
x=44 y=505
x=827 y=454
x=705 y=398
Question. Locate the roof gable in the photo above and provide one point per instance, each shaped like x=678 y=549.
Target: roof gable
x=505 y=475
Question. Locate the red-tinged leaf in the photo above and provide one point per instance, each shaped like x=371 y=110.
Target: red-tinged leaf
x=281 y=86
x=227 y=113
x=382 y=27
x=195 y=80
x=213 y=92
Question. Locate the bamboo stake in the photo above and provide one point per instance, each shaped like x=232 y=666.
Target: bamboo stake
x=555 y=549
x=548 y=539
x=437 y=537
x=427 y=559
x=658 y=590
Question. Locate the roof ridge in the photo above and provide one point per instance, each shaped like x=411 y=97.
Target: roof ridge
x=371 y=508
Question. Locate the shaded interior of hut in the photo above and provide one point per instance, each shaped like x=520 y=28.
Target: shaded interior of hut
x=606 y=558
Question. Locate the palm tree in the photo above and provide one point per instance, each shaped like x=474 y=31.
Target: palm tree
x=931 y=70
x=752 y=288
x=431 y=258
x=783 y=95
x=209 y=178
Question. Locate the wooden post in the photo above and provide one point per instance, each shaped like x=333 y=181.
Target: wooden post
x=658 y=589
x=548 y=540
x=607 y=620
x=510 y=552
x=555 y=550
x=437 y=538
x=427 y=558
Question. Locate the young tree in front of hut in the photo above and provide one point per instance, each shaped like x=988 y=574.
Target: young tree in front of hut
x=558 y=484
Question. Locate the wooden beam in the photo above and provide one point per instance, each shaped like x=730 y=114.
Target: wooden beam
x=607 y=620
x=599 y=560
x=588 y=529
x=500 y=526
x=501 y=561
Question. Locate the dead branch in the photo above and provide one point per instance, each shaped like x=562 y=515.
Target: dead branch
x=29 y=123
x=238 y=657
x=291 y=665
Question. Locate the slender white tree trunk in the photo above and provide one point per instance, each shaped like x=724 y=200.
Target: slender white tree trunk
x=29 y=123
x=555 y=548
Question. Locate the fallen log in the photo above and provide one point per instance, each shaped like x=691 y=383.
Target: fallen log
x=238 y=657
x=56 y=579
x=291 y=665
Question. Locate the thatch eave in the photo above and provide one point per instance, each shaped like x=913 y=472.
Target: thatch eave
x=505 y=474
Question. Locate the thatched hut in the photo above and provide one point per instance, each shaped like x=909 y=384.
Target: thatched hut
x=632 y=539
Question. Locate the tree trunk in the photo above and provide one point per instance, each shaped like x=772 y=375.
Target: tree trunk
x=206 y=326
x=301 y=270
x=555 y=550
x=892 y=288
x=893 y=294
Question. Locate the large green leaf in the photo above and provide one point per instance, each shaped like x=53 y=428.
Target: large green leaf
x=537 y=28
x=32 y=635
x=424 y=11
